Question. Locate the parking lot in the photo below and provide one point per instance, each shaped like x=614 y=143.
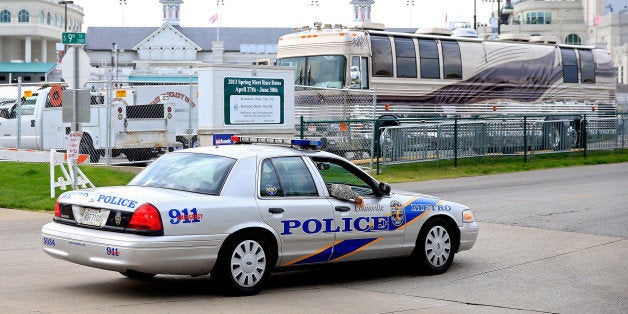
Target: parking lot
x=550 y=241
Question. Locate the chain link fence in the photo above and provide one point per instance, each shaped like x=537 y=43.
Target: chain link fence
x=124 y=121
x=137 y=121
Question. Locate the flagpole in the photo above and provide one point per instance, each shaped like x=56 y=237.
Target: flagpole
x=220 y=3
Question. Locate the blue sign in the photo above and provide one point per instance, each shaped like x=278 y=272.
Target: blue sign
x=222 y=139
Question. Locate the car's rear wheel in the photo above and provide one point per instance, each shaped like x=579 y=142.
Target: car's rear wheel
x=244 y=265
x=435 y=247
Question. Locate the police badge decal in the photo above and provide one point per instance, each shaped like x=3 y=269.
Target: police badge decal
x=397 y=215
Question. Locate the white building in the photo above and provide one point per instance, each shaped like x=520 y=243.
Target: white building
x=29 y=32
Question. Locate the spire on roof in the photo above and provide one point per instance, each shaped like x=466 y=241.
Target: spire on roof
x=171 y=11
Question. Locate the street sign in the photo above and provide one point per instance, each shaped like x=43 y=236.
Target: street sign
x=84 y=101
x=74 y=145
x=67 y=67
x=73 y=38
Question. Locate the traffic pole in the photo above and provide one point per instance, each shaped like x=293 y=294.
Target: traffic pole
x=75 y=124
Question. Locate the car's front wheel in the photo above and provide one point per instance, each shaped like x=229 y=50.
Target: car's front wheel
x=244 y=266
x=435 y=247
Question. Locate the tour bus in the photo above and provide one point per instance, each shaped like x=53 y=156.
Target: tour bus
x=432 y=73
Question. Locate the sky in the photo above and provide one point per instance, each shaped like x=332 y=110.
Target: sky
x=283 y=13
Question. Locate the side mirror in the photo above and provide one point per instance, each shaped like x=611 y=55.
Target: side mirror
x=322 y=166
x=384 y=188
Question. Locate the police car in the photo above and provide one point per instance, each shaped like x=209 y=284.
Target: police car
x=237 y=212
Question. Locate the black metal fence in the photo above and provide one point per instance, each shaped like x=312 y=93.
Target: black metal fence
x=375 y=144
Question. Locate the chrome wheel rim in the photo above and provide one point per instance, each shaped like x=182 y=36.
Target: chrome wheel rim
x=437 y=246
x=248 y=263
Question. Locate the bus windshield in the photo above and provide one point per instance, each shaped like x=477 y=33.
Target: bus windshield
x=319 y=71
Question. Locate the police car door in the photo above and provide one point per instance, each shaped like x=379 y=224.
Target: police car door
x=370 y=231
x=301 y=215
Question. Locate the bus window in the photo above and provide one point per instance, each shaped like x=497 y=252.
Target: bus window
x=326 y=71
x=382 y=56
x=406 y=57
x=452 y=62
x=587 y=67
x=321 y=71
x=430 y=67
x=359 y=73
x=570 y=65
x=299 y=73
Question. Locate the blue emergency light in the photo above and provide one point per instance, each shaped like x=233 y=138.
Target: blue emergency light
x=306 y=143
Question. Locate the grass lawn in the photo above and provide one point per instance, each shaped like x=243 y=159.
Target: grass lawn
x=27 y=185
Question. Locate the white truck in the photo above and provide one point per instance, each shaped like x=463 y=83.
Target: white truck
x=139 y=130
x=183 y=98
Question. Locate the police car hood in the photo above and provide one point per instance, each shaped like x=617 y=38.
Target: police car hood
x=126 y=197
x=413 y=194
x=418 y=198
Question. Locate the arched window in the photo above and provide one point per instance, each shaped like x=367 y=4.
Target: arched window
x=42 y=17
x=5 y=16
x=48 y=18
x=573 y=39
x=23 y=16
x=54 y=20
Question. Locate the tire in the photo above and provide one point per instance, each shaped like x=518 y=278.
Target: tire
x=244 y=265
x=435 y=247
x=138 y=154
x=136 y=275
x=86 y=146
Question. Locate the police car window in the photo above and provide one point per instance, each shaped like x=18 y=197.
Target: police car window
x=294 y=177
x=200 y=173
x=336 y=173
x=269 y=183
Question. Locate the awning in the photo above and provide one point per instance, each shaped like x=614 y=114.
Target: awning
x=162 y=79
x=27 y=67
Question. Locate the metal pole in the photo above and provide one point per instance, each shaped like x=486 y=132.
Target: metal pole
x=190 y=131
x=109 y=86
x=475 y=21
x=499 y=17
x=525 y=139
x=583 y=134
x=75 y=124
x=456 y=142
x=18 y=107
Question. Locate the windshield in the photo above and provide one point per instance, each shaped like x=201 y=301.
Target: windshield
x=200 y=173
x=319 y=71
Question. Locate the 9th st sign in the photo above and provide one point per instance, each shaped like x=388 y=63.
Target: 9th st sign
x=73 y=38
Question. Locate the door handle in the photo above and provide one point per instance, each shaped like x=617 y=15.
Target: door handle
x=342 y=208
x=32 y=123
x=275 y=210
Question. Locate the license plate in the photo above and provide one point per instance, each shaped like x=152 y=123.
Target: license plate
x=92 y=217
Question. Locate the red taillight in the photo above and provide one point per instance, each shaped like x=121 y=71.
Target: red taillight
x=169 y=109
x=146 y=217
x=57 y=209
x=119 y=109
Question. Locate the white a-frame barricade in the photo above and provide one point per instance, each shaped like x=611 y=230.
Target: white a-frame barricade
x=59 y=159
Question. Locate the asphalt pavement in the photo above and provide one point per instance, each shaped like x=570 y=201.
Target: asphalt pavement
x=551 y=241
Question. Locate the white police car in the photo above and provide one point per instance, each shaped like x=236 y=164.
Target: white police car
x=239 y=211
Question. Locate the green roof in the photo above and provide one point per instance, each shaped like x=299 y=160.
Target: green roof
x=30 y=67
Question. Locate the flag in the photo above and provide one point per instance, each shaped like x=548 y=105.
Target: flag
x=213 y=18
x=597 y=20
